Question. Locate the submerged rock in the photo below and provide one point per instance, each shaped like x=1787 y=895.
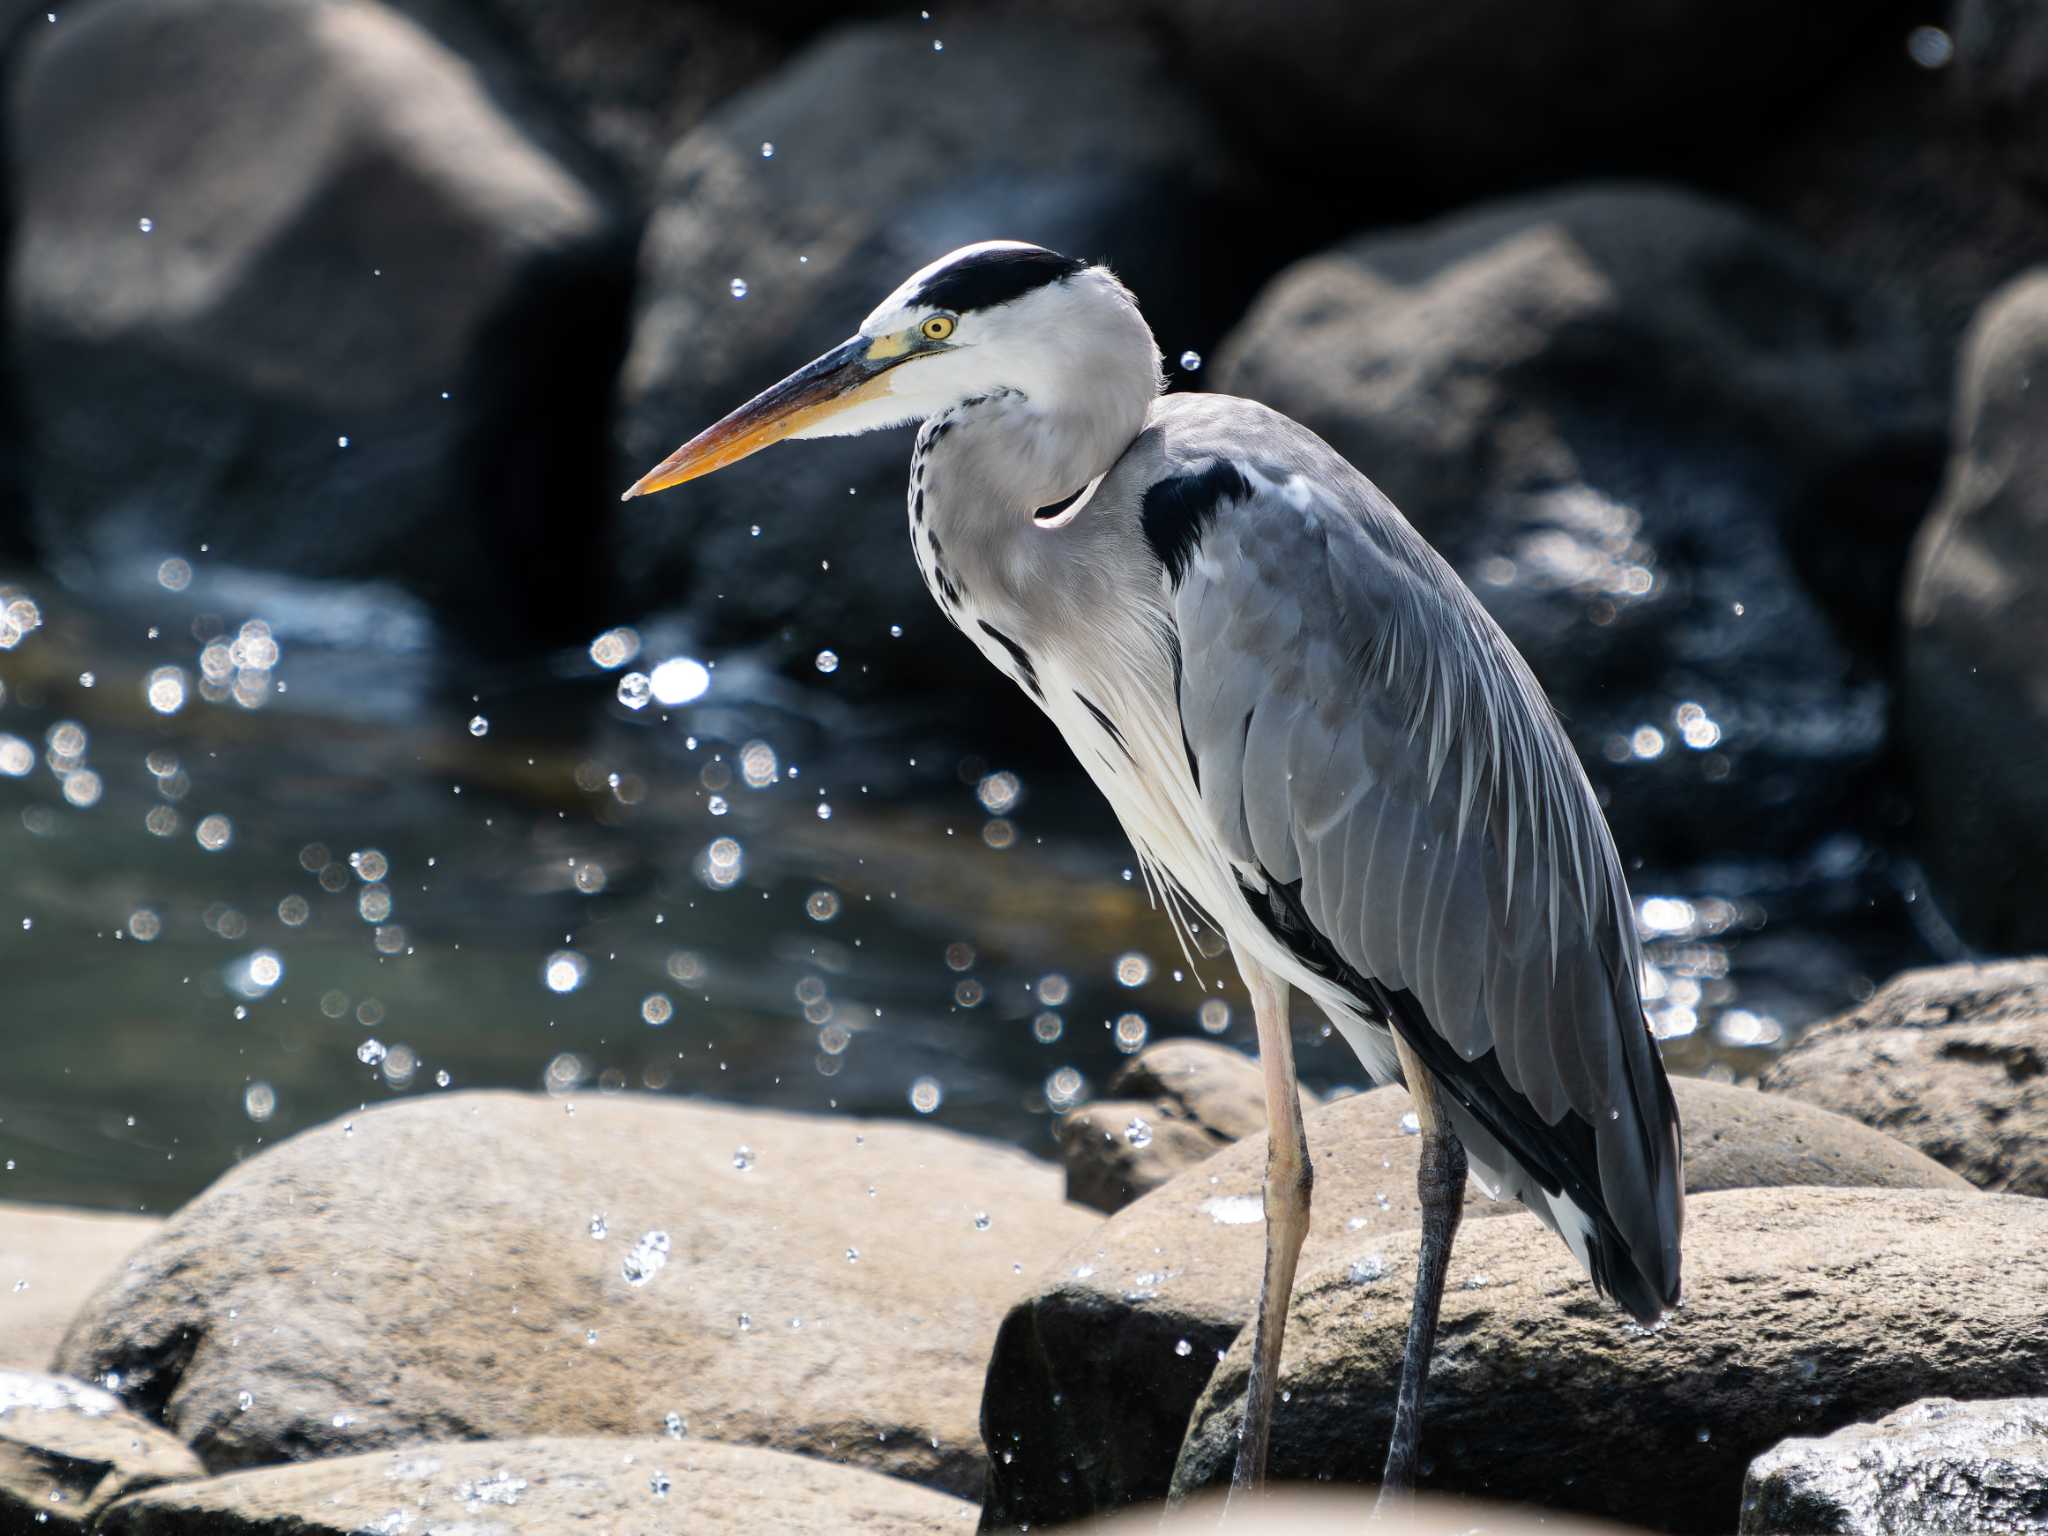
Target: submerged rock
x=1095 y=1373
x=68 y=1450
x=491 y=1265
x=1976 y=637
x=51 y=1259
x=542 y=1488
x=1938 y=1466
x=1173 y=1105
x=1615 y=409
x=1952 y=1060
x=1804 y=1310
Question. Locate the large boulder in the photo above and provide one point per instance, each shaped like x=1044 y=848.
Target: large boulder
x=1952 y=1060
x=1805 y=1309
x=289 y=284
x=1939 y=1465
x=51 y=1259
x=1172 y=1105
x=68 y=1450
x=486 y=1266
x=1976 y=637
x=542 y=1488
x=1095 y=1373
x=888 y=154
x=1613 y=409
x=1412 y=100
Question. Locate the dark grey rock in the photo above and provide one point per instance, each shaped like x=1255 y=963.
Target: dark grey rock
x=1976 y=638
x=349 y=238
x=1095 y=1372
x=1952 y=1060
x=1937 y=1468
x=1805 y=1310
x=887 y=155
x=68 y=1450
x=1613 y=409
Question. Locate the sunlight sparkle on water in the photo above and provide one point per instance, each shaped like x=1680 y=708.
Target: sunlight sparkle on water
x=564 y=970
x=679 y=680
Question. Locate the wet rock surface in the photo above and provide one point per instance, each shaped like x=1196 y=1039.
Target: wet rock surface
x=510 y=1488
x=1095 y=1373
x=1805 y=1309
x=1952 y=1060
x=486 y=1266
x=1298 y=1511
x=68 y=1450
x=1018 y=128
x=1937 y=1466
x=1171 y=1106
x=1613 y=409
x=1975 y=645
x=51 y=1259
x=315 y=293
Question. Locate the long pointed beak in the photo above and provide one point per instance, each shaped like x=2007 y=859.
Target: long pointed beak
x=821 y=388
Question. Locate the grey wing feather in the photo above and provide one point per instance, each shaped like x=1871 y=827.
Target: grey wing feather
x=1359 y=724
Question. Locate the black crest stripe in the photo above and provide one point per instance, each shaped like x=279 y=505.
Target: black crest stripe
x=1026 y=673
x=989 y=278
x=1177 y=511
x=1106 y=723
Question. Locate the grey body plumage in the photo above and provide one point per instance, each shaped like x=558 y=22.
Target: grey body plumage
x=1313 y=734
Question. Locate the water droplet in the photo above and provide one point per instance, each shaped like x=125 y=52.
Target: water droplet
x=1129 y=1033
x=743 y=1158
x=1047 y=1027
x=145 y=225
x=675 y=1427
x=937 y=46
x=1410 y=1125
x=739 y=287
x=982 y=1222
x=1133 y=969
x=716 y=805
x=659 y=1485
x=647 y=1259
x=828 y=661
x=564 y=970
x=1929 y=47
x=371 y=1052
x=1190 y=360
x=746 y=1323
x=822 y=906
x=479 y=726
x=824 y=811
x=656 y=1009
x=635 y=689
x=926 y=1095
x=1138 y=1133
x=442 y=1079
x=853 y=1255
x=599 y=1227
x=767 y=150
x=244 y=1401
x=1183 y=1349
x=1213 y=1016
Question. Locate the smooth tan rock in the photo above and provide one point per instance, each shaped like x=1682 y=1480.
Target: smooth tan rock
x=68 y=1450
x=1953 y=1060
x=429 y=1270
x=1173 y=1105
x=544 y=1488
x=1805 y=1309
x=51 y=1259
x=1090 y=1373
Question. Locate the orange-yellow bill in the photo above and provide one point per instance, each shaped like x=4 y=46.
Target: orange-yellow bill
x=843 y=376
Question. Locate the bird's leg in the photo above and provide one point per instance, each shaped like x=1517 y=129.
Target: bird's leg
x=1288 y=1179
x=1440 y=1185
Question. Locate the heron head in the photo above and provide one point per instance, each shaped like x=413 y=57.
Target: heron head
x=997 y=318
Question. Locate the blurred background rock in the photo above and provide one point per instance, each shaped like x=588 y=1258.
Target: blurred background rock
x=1700 y=337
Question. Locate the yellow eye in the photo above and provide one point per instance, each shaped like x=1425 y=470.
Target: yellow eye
x=938 y=328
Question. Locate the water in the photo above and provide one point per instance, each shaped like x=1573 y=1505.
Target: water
x=305 y=882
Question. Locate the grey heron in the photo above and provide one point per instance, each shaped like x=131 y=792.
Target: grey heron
x=1313 y=734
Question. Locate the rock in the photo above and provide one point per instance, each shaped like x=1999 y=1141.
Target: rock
x=1186 y=1099
x=352 y=318
x=1298 y=1511
x=1383 y=98
x=428 y=1270
x=1976 y=637
x=511 y=1487
x=1938 y=1465
x=51 y=1259
x=1952 y=1060
x=1095 y=1373
x=1016 y=129
x=1612 y=408
x=1805 y=1309
x=68 y=1450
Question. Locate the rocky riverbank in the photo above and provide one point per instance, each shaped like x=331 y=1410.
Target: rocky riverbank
x=702 y=1317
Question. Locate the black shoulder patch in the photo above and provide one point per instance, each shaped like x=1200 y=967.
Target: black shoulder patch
x=989 y=278
x=1177 y=511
